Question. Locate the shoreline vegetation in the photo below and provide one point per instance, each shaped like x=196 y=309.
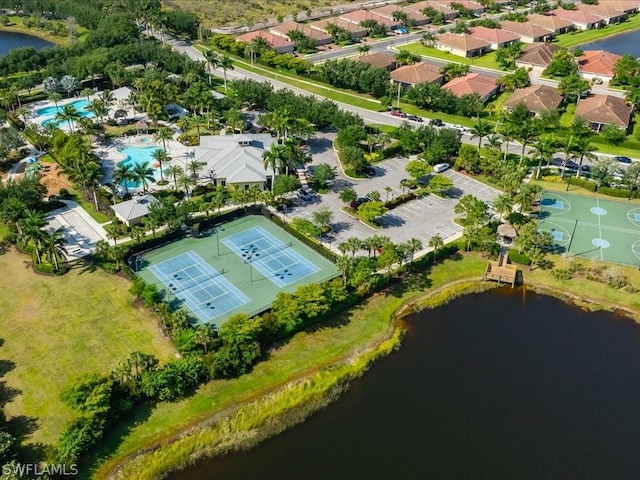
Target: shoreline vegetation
x=246 y=424
x=33 y=32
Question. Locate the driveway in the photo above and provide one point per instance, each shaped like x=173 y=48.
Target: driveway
x=421 y=218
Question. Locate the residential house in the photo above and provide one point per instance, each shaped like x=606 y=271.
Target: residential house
x=133 y=211
x=626 y=6
x=474 y=7
x=318 y=36
x=462 y=45
x=496 y=37
x=354 y=29
x=483 y=85
x=276 y=42
x=359 y=16
x=537 y=56
x=597 y=64
x=608 y=14
x=414 y=15
x=601 y=110
x=527 y=31
x=447 y=12
x=378 y=59
x=421 y=72
x=235 y=159
x=581 y=19
x=537 y=99
x=551 y=22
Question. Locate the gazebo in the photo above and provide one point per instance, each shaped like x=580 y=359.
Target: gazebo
x=142 y=126
x=506 y=234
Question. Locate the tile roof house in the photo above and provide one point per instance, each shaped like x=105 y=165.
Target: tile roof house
x=447 y=12
x=597 y=64
x=133 y=211
x=378 y=59
x=622 y=5
x=537 y=99
x=582 y=20
x=318 y=36
x=421 y=72
x=359 y=16
x=462 y=45
x=414 y=15
x=276 y=42
x=356 y=30
x=608 y=14
x=468 y=4
x=551 y=22
x=537 y=55
x=495 y=36
x=527 y=31
x=483 y=85
x=601 y=110
x=235 y=159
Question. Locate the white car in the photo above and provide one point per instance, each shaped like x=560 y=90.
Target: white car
x=440 y=167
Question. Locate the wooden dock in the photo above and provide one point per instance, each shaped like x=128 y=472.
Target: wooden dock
x=501 y=271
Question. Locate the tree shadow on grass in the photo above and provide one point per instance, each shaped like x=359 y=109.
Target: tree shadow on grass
x=6 y=366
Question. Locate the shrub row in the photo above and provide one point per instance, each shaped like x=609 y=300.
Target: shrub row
x=519 y=258
x=584 y=183
x=399 y=200
x=326 y=253
x=617 y=192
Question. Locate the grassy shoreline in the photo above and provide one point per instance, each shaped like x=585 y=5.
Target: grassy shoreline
x=41 y=34
x=250 y=422
x=581 y=38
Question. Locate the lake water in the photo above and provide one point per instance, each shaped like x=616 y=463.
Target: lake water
x=500 y=385
x=628 y=42
x=11 y=40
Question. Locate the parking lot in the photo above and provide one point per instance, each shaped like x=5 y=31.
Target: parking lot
x=420 y=218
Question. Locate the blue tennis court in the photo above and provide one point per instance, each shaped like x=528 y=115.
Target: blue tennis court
x=270 y=256
x=201 y=287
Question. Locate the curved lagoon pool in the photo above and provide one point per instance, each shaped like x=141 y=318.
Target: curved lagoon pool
x=79 y=105
x=138 y=156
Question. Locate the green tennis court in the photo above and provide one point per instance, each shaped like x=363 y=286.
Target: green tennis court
x=592 y=227
x=238 y=266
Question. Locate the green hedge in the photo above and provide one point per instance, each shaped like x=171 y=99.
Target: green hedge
x=328 y=254
x=617 y=192
x=519 y=258
x=399 y=200
x=584 y=183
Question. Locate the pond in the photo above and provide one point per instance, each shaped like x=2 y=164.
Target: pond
x=505 y=384
x=628 y=42
x=11 y=40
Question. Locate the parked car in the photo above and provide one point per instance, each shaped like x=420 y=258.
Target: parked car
x=415 y=118
x=436 y=122
x=398 y=113
x=489 y=205
x=598 y=81
x=572 y=165
x=622 y=159
x=440 y=167
x=586 y=168
x=359 y=201
x=304 y=194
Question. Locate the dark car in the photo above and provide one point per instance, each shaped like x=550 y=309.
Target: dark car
x=586 y=168
x=358 y=201
x=415 y=118
x=572 y=165
x=622 y=159
x=436 y=122
x=398 y=113
x=304 y=194
x=369 y=171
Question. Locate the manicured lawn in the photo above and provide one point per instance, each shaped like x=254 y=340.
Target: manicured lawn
x=485 y=61
x=57 y=328
x=562 y=187
x=306 y=352
x=572 y=39
x=89 y=207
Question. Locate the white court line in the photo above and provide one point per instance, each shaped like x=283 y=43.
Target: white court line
x=599 y=228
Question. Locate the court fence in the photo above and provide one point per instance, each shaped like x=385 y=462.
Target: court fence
x=326 y=253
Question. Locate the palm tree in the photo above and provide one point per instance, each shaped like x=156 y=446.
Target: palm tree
x=212 y=61
x=55 y=98
x=494 y=141
x=503 y=204
x=98 y=108
x=163 y=135
x=272 y=159
x=68 y=114
x=174 y=171
x=352 y=244
x=345 y=265
x=364 y=48
x=160 y=156
x=122 y=175
x=185 y=182
x=194 y=168
x=413 y=245
x=583 y=150
x=388 y=190
x=348 y=195
x=543 y=150
x=86 y=93
x=569 y=149
x=526 y=131
x=143 y=175
x=525 y=197
x=225 y=63
x=52 y=245
x=87 y=126
x=481 y=128
x=87 y=173
x=255 y=191
x=107 y=98
x=436 y=242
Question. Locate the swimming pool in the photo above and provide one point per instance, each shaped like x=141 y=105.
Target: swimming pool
x=138 y=156
x=79 y=105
